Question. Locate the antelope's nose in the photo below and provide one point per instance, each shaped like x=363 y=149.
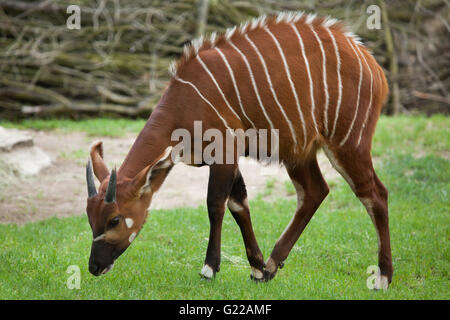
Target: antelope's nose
x=95 y=268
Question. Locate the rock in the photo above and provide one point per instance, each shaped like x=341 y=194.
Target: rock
x=11 y=138
x=18 y=151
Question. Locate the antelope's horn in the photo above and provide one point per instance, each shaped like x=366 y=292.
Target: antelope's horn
x=92 y=191
x=111 y=190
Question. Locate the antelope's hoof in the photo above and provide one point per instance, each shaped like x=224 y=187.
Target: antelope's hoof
x=381 y=282
x=207 y=272
x=257 y=275
x=271 y=269
x=269 y=275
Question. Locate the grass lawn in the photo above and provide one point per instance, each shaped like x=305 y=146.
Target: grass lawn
x=328 y=262
x=93 y=127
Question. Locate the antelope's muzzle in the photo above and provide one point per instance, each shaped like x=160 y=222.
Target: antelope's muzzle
x=102 y=257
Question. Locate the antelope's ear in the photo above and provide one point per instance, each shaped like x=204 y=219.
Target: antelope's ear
x=146 y=180
x=98 y=165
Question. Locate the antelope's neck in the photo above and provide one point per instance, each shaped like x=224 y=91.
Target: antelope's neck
x=151 y=142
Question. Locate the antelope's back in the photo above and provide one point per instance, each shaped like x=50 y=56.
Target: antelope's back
x=304 y=75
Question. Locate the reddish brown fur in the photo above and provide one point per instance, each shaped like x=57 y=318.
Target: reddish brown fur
x=181 y=105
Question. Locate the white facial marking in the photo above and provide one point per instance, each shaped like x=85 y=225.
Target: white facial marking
x=107 y=268
x=129 y=222
x=100 y=237
x=132 y=236
x=256 y=273
x=207 y=272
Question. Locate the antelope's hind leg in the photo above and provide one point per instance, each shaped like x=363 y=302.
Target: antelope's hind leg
x=238 y=205
x=357 y=169
x=311 y=191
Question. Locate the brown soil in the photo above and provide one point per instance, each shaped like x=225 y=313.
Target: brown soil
x=60 y=190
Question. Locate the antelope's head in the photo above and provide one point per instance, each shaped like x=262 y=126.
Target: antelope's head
x=118 y=210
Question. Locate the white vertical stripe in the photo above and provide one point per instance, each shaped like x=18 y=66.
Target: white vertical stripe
x=252 y=78
x=288 y=73
x=204 y=99
x=325 y=83
x=266 y=71
x=308 y=71
x=370 y=101
x=359 y=92
x=338 y=68
x=233 y=79
x=217 y=85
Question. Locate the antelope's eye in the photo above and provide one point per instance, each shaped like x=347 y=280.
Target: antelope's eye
x=114 y=221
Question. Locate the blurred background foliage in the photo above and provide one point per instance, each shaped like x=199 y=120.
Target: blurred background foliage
x=117 y=62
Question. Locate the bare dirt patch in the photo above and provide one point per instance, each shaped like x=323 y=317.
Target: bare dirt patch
x=60 y=189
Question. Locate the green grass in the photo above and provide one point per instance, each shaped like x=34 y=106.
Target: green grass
x=412 y=135
x=328 y=262
x=104 y=127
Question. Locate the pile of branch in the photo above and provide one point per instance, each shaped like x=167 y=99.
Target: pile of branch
x=117 y=62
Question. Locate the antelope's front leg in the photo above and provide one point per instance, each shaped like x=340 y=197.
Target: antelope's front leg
x=238 y=205
x=221 y=177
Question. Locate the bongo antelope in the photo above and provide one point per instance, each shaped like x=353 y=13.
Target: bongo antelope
x=304 y=75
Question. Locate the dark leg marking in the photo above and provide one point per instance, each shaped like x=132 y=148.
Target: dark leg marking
x=221 y=177
x=238 y=205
